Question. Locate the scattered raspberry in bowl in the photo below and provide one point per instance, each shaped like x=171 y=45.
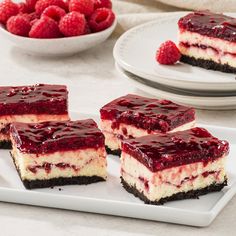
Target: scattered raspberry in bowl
x=56 y=18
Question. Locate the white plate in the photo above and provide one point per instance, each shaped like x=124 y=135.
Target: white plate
x=60 y=46
x=135 y=51
x=110 y=198
x=161 y=91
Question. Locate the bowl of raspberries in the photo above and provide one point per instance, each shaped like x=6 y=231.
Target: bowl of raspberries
x=56 y=27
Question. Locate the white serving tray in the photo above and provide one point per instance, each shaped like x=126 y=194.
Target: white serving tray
x=110 y=198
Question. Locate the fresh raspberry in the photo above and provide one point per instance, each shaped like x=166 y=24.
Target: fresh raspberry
x=101 y=19
x=72 y=24
x=54 y=12
x=31 y=16
x=168 y=53
x=31 y=5
x=45 y=27
x=41 y=5
x=87 y=30
x=23 y=7
x=85 y=7
x=18 y=25
x=8 y=9
x=102 y=4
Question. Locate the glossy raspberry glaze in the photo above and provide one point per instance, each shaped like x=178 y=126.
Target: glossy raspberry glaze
x=158 y=152
x=210 y=24
x=52 y=136
x=35 y=99
x=146 y=113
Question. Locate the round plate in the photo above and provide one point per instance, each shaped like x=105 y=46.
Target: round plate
x=161 y=91
x=135 y=51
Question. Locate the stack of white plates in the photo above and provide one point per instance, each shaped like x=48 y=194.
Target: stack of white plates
x=134 y=54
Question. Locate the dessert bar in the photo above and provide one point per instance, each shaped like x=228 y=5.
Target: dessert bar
x=185 y=164
x=58 y=153
x=36 y=103
x=133 y=116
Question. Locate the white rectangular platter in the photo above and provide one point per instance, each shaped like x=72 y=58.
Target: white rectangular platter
x=110 y=198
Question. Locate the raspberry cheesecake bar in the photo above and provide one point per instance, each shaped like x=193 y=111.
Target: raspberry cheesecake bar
x=134 y=116
x=208 y=40
x=36 y=103
x=185 y=164
x=58 y=153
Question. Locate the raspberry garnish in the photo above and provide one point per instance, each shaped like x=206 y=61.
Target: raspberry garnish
x=168 y=53
x=85 y=7
x=31 y=5
x=101 y=19
x=72 y=24
x=41 y=5
x=102 y=4
x=45 y=27
x=54 y=12
x=18 y=25
x=8 y=9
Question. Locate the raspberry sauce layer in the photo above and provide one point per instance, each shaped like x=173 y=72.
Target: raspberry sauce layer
x=210 y=24
x=146 y=113
x=158 y=152
x=49 y=137
x=34 y=99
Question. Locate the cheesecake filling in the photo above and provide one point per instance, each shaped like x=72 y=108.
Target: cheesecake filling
x=27 y=118
x=81 y=162
x=113 y=137
x=167 y=182
x=207 y=48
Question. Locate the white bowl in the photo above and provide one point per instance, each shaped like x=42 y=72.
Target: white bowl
x=60 y=46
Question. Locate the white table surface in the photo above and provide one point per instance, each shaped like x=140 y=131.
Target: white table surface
x=92 y=81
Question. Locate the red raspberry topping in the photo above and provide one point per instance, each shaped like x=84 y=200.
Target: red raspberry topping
x=45 y=28
x=168 y=53
x=102 y=4
x=41 y=5
x=18 y=25
x=31 y=5
x=8 y=9
x=23 y=7
x=101 y=19
x=54 y=12
x=85 y=7
x=72 y=24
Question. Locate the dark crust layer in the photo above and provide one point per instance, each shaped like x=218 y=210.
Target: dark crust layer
x=208 y=64
x=116 y=152
x=178 y=196
x=79 y=180
x=61 y=181
x=5 y=144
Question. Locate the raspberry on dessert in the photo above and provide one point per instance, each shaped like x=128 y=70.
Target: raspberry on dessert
x=31 y=5
x=72 y=24
x=45 y=27
x=168 y=53
x=8 y=9
x=102 y=4
x=54 y=12
x=23 y=7
x=101 y=19
x=85 y=7
x=18 y=25
x=41 y=5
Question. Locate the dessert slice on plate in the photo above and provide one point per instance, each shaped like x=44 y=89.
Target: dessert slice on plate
x=185 y=164
x=134 y=116
x=58 y=153
x=208 y=40
x=36 y=103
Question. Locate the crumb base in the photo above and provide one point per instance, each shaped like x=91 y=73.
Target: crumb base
x=4 y=144
x=116 y=152
x=208 y=64
x=178 y=196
